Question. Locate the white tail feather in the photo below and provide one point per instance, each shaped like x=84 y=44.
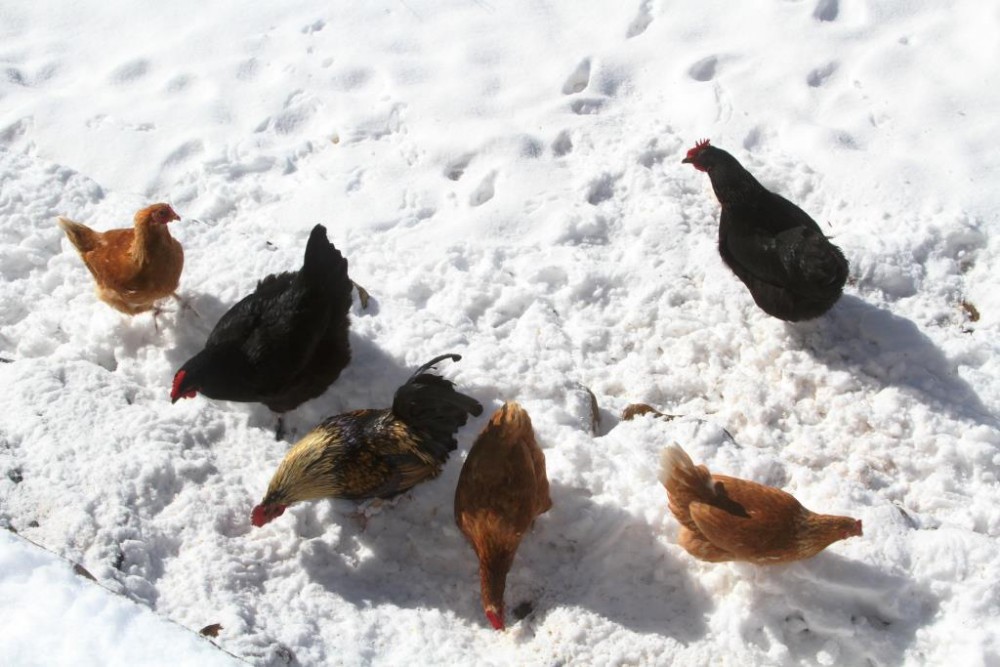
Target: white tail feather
x=673 y=458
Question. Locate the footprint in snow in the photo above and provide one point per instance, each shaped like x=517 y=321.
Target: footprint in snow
x=352 y=78
x=563 y=144
x=315 y=26
x=16 y=76
x=130 y=71
x=456 y=168
x=579 y=79
x=178 y=83
x=651 y=157
x=587 y=107
x=485 y=191
x=704 y=69
x=818 y=76
x=827 y=10
x=247 y=70
x=641 y=21
x=601 y=189
x=183 y=152
x=14 y=131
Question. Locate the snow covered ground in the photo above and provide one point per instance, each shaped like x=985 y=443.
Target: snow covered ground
x=505 y=179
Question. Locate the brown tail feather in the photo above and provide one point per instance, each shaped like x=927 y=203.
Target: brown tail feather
x=511 y=416
x=511 y=423
x=81 y=236
x=685 y=482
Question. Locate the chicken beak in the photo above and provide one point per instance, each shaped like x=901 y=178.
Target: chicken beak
x=687 y=160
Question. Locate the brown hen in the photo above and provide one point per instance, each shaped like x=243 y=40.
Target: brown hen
x=728 y=519
x=135 y=267
x=501 y=489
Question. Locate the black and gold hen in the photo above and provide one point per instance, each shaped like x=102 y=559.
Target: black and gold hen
x=283 y=344
x=373 y=453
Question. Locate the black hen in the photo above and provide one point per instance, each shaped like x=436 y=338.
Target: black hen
x=373 y=453
x=792 y=271
x=283 y=344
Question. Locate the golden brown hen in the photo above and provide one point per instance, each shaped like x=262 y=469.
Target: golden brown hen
x=728 y=519
x=501 y=489
x=373 y=453
x=135 y=267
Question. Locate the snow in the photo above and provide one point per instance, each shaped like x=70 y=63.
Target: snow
x=505 y=180
x=51 y=615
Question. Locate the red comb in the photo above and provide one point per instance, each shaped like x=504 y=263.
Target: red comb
x=697 y=148
x=259 y=516
x=263 y=514
x=175 y=390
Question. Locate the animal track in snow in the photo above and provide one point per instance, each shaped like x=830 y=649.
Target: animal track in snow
x=178 y=83
x=651 y=157
x=485 y=191
x=355 y=181
x=14 y=131
x=315 y=26
x=601 y=189
x=827 y=10
x=287 y=121
x=247 y=70
x=641 y=21
x=704 y=69
x=563 y=145
x=184 y=151
x=299 y=107
x=20 y=78
x=586 y=107
x=380 y=124
x=818 y=76
x=16 y=76
x=529 y=147
x=456 y=168
x=130 y=71
x=579 y=79
x=845 y=139
x=352 y=79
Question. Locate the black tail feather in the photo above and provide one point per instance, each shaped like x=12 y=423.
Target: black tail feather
x=432 y=362
x=322 y=258
x=430 y=404
x=325 y=266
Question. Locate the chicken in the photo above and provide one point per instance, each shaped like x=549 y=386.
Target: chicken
x=373 y=453
x=134 y=268
x=792 y=271
x=634 y=410
x=283 y=344
x=501 y=489
x=728 y=519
